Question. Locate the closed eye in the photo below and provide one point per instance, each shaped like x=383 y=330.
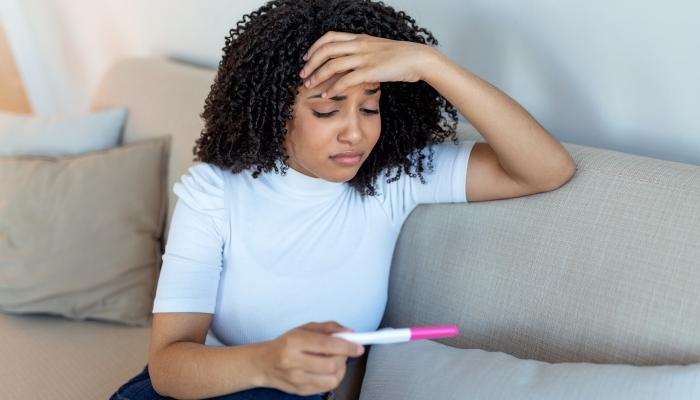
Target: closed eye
x=329 y=114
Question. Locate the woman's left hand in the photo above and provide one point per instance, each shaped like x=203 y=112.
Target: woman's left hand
x=370 y=58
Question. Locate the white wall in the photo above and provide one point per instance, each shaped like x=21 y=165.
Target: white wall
x=620 y=75
x=617 y=74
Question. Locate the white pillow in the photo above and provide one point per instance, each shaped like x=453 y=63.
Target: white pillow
x=61 y=135
x=426 y=369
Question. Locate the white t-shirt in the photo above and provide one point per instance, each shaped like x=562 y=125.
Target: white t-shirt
x=268 y=254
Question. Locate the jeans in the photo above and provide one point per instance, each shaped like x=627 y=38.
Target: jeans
x=140 y=388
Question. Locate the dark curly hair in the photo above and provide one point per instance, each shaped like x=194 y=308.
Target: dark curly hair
x=257 y=81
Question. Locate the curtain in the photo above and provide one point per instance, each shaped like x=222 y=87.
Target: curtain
x=62 y=48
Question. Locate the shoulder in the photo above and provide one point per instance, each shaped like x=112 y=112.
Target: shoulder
x=204 y=175
x=206 y=170
x=202 y=186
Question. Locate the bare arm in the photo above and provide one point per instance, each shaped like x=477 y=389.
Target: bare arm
x=181 y=366
x=529 y=154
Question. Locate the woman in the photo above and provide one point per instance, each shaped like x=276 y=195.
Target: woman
x=292 y=215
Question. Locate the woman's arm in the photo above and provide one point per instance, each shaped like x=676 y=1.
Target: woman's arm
x=181 y=366
x=525 y=150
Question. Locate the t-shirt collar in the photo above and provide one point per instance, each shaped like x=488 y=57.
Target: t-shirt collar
x=299 y=183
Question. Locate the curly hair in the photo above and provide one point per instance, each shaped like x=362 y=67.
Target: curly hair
x=257 y=80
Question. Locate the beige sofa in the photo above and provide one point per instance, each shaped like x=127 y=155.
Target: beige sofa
x=605 y=269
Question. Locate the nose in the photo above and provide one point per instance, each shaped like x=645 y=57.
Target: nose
x=352 y=132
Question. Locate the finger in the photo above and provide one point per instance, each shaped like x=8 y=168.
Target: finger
x=327 y=52
x=332 y=67
x=349 y=80
x=359 y=351
x=322 y=365
x=313 y=381
x=332 y=345
x=329 y=36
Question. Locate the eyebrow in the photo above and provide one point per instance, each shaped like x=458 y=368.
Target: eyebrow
x=341 y=98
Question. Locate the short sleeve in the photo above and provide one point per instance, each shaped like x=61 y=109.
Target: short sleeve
x=193 y=258
x=445 y=184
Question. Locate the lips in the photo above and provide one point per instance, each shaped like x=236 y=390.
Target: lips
x=348 y=154
x=348 y=158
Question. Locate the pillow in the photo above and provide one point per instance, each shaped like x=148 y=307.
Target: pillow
x=426 y=369
x=57 y=136
x=81 y=236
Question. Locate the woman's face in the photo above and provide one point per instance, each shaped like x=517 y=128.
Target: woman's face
x=351 y=123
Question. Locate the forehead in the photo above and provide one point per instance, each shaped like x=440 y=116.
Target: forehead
x=326 y=84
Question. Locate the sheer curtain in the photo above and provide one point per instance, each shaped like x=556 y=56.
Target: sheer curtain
x=63 y=47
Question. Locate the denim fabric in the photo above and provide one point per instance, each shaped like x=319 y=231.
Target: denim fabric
x=140 y=388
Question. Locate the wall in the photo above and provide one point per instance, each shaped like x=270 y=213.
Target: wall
x=618 y=75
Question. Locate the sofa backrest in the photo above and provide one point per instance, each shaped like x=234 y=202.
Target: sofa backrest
x=604 y=269
x=164 y=98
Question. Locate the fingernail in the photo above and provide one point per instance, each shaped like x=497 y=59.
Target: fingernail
x=360 y=349
x=302 y=72
x=306 y=55
x=323 y=95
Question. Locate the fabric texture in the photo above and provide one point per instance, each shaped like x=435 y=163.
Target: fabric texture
x=58 y=136
x=80 y=236
x=235 y=239
x=603 y=269
x=427 y=369
x=53 y=357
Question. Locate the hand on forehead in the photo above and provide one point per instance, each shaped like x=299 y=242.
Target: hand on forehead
x=349 y=60
x=321 y=86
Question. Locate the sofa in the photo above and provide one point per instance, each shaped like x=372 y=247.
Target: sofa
x=604 y=269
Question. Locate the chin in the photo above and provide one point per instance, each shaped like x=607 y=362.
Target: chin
x=342 y=178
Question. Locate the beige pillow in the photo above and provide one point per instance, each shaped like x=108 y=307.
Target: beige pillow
x=80 y=236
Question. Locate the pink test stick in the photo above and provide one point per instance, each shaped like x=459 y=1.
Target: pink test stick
x=434 y=332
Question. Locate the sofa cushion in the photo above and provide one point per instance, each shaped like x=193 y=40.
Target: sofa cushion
x=60 y=135
x=164 y=97
x=80 y=236
x=50 y=357
x=603 y=269
x=427 y=369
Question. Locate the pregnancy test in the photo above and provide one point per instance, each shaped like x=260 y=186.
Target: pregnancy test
x=397 y=335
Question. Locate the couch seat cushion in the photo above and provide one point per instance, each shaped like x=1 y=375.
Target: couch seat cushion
x=51 y=357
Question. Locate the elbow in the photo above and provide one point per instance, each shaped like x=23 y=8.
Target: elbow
x=156 y=382
x=564 y=174
x=159 y=384
x=569 y=170
x=552 y=173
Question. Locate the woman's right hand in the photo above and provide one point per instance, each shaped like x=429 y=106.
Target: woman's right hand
x=307 y=360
